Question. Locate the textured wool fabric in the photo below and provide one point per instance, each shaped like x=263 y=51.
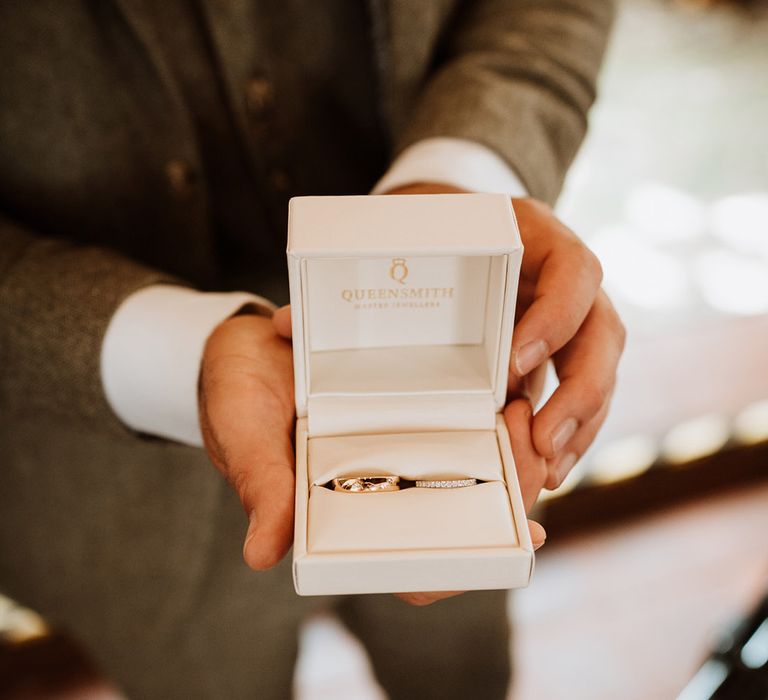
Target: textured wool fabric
x=135 y=543
x=98 y=147
x=57 y=299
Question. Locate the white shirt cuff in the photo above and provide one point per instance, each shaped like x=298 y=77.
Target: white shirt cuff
x=451 y=161
x=151 y=354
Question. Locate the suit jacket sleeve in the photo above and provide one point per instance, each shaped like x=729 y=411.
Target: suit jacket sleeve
x=518 y=77
x=56 y=300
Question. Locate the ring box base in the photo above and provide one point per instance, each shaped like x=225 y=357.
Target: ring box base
x=402 y=313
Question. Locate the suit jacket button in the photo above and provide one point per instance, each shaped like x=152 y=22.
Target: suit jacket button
x=181 y=176
x=258 y=95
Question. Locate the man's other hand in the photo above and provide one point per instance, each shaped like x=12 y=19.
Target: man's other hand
x=562 y=315
x=565 y=316
x=247 y=420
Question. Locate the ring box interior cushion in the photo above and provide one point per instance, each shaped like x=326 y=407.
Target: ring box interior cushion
x=402 y=312
x=438 y=519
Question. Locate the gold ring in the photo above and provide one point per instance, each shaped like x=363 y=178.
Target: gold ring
x=366 y=484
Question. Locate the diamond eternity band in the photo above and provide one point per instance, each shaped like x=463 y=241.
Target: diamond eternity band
x=444 y=483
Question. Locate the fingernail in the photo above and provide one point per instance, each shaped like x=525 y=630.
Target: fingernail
x=563 y=433
x=530 y=356
x=539 y=545
x=565 y=465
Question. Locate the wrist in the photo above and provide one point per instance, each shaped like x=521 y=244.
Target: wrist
x=461 y=163
x=151 y=355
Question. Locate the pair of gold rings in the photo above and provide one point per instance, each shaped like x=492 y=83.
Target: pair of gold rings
x=375 y=484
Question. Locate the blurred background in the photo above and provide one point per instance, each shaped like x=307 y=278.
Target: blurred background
x=651 y=583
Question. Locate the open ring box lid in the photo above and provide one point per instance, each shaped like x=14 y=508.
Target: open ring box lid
x=402 y=313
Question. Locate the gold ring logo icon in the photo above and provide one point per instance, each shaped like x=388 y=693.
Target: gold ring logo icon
x=399 y=270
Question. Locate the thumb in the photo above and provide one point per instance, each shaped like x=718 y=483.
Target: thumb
x=281 y=320
x=260 y=458
x=252 y=447
x=246 y=416
x=531 y=467
x=269 y=504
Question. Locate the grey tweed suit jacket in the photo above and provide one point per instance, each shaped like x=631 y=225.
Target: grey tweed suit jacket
x=90 y=118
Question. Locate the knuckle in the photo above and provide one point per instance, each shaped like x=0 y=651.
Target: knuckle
x=560 y=469
x=613 y=320
x=535 y=474
x=594 y=395
x=554 y=481
x=591 y=264
x=541 y=473
x=621 y=333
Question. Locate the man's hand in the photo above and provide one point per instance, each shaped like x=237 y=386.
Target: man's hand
x=247 y=419
x=563 y=315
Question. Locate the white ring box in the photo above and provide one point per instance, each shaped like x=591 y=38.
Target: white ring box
x=402 y=313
